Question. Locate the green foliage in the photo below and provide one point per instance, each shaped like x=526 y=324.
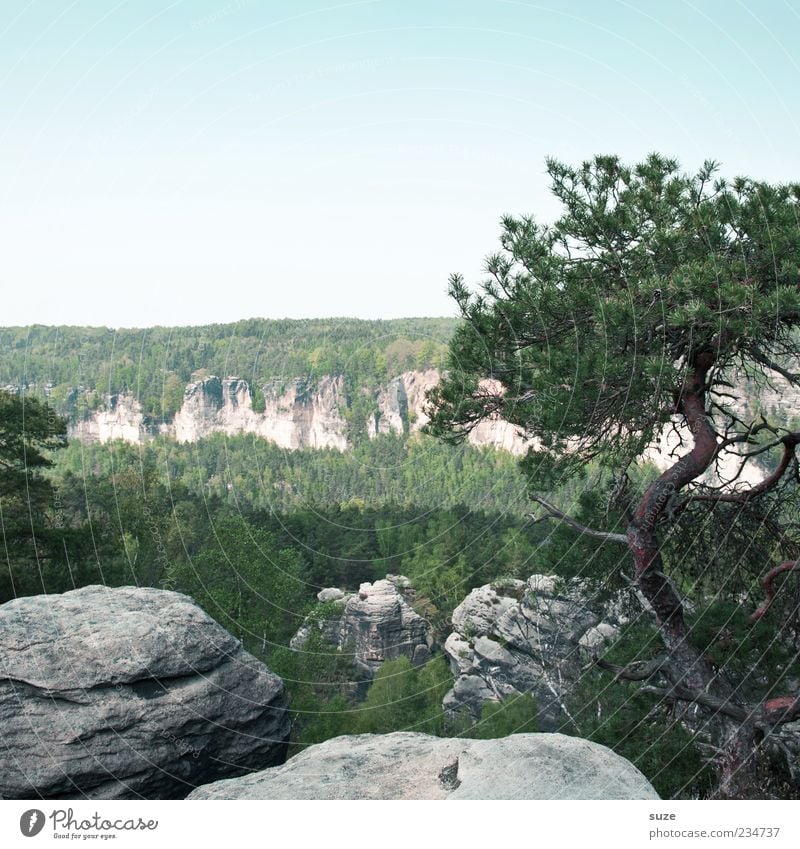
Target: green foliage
x=513 y=715
x=759 y=656
x=616 y=714
x=319 y=680
x=591 y=324
x=247 y=582
x=155 y=364
x=37 y=534
x=405 y=698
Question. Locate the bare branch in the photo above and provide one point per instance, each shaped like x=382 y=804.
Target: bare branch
x=685 y=694
x=789 y=442
x=760 y=357
x=768 y=582
x=639 y=671
x=555 y=513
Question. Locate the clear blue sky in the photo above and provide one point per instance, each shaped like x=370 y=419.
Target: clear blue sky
x=207 y=160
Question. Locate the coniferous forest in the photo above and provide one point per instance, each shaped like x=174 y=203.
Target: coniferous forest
x=252 y=532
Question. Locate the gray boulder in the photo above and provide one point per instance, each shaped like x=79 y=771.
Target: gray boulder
x=126 y=693
x=406 y=765
x=529 y=636
x=377 y=623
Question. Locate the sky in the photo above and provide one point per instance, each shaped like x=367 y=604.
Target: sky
x=203 y=161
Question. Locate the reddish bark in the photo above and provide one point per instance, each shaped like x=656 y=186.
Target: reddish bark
x=736 y=765
x=641 y=533
x=768 y=582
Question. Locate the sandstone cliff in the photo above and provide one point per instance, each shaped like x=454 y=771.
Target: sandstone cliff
x=296 y=414
x=303 y=414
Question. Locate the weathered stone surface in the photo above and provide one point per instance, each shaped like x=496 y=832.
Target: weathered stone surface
x=526 y=637
x=407 y=765
x=330 y=594
x=296 y=415
x=377 y=623
x=401 y=405
x=120 y=418
x=128 y=692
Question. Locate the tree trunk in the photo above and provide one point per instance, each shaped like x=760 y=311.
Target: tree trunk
x=737 y=741
x=736 y=765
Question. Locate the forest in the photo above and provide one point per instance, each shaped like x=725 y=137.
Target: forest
x=76 y=368
x=252 y=533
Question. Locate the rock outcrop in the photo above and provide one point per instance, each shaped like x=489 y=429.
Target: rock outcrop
x=121 y=418
x=402 y=409
x=377 y=623
x=297 y=415
x=401 y=405
x=406 y=765
x=526 y=637
x=212 y=405
x=127 y=693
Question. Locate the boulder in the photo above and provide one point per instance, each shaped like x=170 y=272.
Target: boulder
x=529 y=636
x=127 y=693
x=406 y=765
x=330 y=594
x=377 y=623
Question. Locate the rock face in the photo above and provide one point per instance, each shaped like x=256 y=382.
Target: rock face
x=526 y=637
x=121 y=419
x=401 y=406
x=295 y=416
x=213 y=405
x=401 y=409
x=406 y=765
x=377 y=623
x=128 y=693
x=305 y=416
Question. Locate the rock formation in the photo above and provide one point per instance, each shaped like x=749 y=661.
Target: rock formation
x=296 y=415
x=376 y=624
x=406 y=765
x=400 y=406
x=121 y=418
x=128 y=693
x=526 y=637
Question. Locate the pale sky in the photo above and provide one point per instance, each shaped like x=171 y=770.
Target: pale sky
x=210 y=160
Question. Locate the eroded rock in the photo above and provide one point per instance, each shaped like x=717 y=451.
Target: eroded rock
x=526 y=637
x=377 y=623
x=128 y=692
x=406 y=765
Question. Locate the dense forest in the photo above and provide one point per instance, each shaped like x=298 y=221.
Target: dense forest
x=75 y=368
x=252 y=532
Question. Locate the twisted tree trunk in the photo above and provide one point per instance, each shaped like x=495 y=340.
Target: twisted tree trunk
x=738 y=737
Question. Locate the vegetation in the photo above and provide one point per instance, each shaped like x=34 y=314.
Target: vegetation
x=75 y=368
x=655 y=294
x=35 y=530
x=252 y=531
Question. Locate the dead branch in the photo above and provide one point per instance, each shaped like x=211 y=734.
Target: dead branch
x=554 y=513
x=768 y=583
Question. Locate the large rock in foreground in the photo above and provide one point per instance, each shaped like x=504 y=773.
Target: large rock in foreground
x=407 y=765
x=126 y=693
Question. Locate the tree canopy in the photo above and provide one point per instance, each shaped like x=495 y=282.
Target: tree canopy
x=591 y=325
x=655 y=300
x=32 y=529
